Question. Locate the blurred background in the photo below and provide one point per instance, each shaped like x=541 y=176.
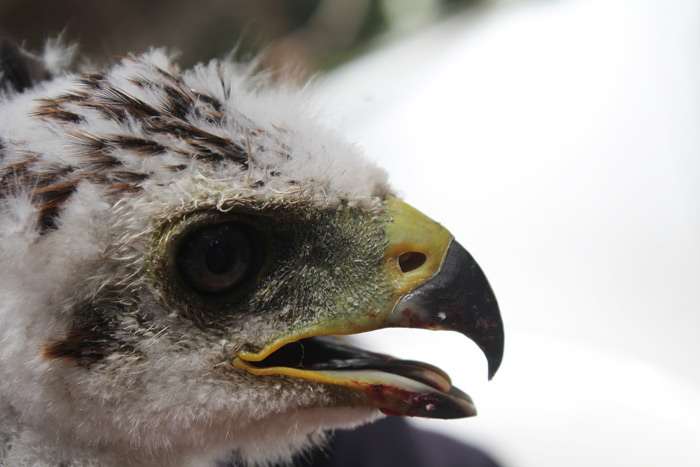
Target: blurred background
x=310 y=35
x=558 y=140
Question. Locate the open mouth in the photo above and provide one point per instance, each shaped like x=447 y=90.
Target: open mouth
x=394 y=386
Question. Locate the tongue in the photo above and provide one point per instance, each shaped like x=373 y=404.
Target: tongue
x=417 y=371
x=325 y=353
x=396 y=387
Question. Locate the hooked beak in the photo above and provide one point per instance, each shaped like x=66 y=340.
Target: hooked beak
x=458 y=298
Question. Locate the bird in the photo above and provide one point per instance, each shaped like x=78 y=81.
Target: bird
x=183 y=253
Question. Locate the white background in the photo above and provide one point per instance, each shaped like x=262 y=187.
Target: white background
x=559 y=141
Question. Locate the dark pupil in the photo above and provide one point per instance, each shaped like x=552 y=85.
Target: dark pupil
x=220 y=258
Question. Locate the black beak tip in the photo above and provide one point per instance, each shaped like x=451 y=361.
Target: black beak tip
x=481 y=319
x=494 y=358
x=489 y=334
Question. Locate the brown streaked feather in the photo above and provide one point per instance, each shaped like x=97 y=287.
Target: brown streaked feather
x=92 y=80
x=58 y=114
x=15 y=176
x=118 y=190
x=50 y=199
x=139 y=145
x=178 y=104
x=85 y=343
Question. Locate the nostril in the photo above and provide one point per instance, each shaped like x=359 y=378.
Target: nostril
x=411 y=261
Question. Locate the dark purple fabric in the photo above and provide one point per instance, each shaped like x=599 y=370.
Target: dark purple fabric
x=393 y=442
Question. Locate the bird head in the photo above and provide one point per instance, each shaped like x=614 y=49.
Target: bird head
x=179 y=251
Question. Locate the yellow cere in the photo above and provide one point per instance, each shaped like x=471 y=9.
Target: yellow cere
x=411 y=231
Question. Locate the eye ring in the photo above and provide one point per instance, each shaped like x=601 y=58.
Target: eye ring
x=219 y=258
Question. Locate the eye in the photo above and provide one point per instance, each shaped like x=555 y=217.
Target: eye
x=218 y=258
